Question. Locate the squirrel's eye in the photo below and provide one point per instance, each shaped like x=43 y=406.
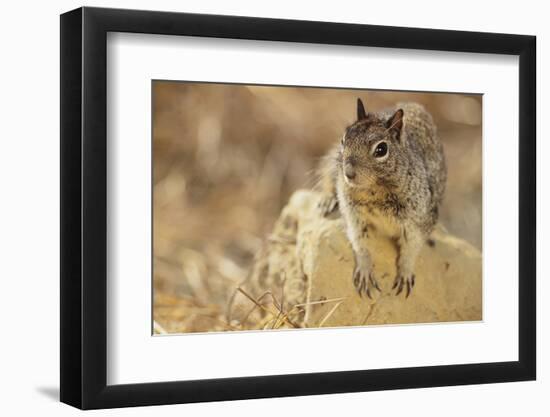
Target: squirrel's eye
x=381 y=150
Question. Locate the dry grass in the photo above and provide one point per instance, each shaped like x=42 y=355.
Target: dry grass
x=182 y=315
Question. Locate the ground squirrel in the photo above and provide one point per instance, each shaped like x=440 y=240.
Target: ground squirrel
x=388 y=172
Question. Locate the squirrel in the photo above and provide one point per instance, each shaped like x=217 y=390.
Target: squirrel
x=388 y=172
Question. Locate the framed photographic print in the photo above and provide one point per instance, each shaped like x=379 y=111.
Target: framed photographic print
x=257 y=207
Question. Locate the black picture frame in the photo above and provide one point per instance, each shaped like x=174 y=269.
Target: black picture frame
x=84 y=207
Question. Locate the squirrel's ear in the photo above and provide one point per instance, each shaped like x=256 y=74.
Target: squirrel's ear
x=395 y=123
x=361 y=113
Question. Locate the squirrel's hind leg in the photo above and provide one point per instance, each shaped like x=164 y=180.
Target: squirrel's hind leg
x=327 y=204
x=328 y=201
x=327 y=183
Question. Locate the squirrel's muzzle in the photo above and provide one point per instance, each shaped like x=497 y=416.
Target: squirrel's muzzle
x=349 y=170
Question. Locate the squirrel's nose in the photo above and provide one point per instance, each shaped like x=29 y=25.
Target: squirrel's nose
x=349 y=172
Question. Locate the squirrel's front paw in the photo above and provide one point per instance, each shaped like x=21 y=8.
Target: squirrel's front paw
x=327 y=204
x=364 y=281
x=400 y=282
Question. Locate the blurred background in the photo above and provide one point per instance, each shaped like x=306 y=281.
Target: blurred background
x=226 y=158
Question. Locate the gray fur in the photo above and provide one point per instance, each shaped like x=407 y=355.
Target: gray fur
x=402 y=190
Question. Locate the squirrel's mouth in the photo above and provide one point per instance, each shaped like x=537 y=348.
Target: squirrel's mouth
x=350 y=182
x=364 y=181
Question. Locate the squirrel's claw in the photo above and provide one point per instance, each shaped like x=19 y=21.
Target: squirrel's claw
x=364 y=282
x=401 y=282
x=327 y=205
x=374 y=282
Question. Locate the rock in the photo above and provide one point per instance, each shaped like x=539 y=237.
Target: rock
x=308 y=262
